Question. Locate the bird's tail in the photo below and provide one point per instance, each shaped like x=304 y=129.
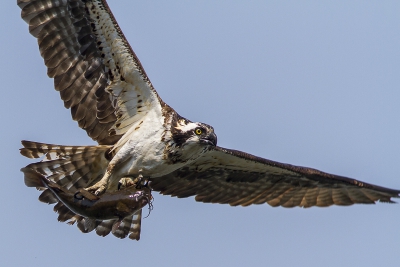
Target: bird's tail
x=71 y=168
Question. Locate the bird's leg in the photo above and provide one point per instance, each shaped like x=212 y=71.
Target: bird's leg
x=101 y=186
x=119 y=159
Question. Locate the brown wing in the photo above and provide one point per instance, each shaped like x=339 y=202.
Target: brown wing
x=85 y=52
x=237 y=178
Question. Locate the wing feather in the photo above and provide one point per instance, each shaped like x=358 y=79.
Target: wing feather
x=94 y=68
x=237 y=178
x=341 y=197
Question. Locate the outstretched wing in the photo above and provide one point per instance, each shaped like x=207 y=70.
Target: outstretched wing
x=237 y=178
x=94 y=68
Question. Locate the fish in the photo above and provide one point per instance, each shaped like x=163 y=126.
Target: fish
x=116 y=205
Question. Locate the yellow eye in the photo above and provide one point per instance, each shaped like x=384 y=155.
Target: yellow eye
x=198 y=131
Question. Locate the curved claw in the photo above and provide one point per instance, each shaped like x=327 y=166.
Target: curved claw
x=100 y=190
x=97 y=189
x=147 y=184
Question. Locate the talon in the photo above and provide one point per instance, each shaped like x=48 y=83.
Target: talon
x=147 y=185
x=139 y=181
x=100 y=190
x=142 y=182
x=96 y=189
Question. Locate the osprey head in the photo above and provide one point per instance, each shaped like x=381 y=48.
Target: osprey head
x=188 y=140
x=187 y=133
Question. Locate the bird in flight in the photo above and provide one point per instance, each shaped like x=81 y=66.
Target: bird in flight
x=139 y=136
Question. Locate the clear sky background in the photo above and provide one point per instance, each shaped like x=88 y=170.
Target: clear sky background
x=311 y=83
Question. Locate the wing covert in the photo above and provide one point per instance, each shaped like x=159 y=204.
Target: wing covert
x=94 y=68
x=237 y=178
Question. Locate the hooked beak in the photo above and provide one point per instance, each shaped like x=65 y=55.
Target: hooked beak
x=210 y=139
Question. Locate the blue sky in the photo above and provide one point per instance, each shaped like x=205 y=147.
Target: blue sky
x=311 y=83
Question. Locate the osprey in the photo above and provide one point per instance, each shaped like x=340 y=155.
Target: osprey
x=102 y=82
